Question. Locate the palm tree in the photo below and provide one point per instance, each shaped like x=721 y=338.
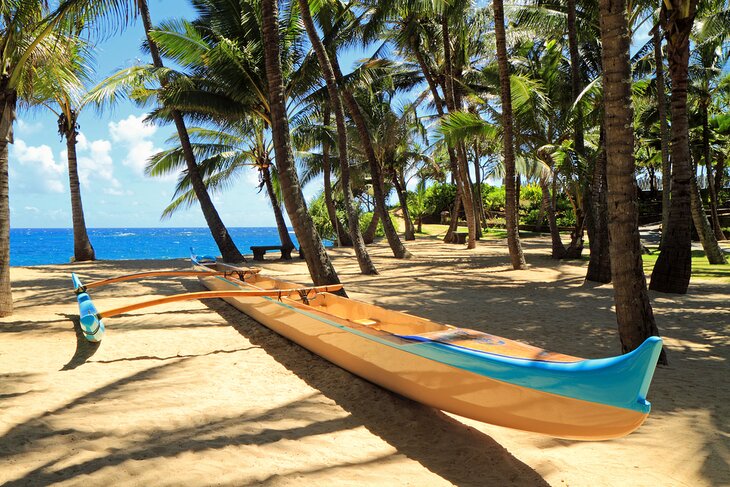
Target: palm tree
x=633 y=309
x=707 y=62
x=663 y=127
x=320 y=267
x=223 y=153
x=513 y=237
x=363 y=258
x=672 y=271
x=225 y=243
x=58 y=88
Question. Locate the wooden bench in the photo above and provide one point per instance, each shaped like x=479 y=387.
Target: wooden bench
x=260 y=250
x=460 y=237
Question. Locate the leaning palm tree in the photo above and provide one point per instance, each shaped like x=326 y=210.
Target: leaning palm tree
x=513 y=237
x=225 y=243
x=363 y=258
x=320 y=267
x=633 y=309
x=224 y=153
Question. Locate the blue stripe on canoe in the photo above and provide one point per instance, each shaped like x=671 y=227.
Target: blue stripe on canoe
x=621 y=381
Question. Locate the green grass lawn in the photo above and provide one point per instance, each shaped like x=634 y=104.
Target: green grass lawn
x=700 y=268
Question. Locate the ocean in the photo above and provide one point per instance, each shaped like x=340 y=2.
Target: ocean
x=37 y=246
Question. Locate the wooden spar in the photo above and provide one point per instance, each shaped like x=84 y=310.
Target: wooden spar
x=142 y=275
x=218 y=294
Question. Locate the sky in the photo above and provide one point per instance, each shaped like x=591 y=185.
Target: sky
x=112 y=151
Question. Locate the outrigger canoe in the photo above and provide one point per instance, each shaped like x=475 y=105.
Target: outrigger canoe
x=458 y=370
x=466 y=372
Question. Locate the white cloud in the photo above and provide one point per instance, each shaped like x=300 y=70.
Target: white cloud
x=134 y=133
x=94 y=162
x=40 y=165
x=31 y=209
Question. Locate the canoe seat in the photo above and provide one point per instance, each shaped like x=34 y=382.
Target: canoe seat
x=366 y=322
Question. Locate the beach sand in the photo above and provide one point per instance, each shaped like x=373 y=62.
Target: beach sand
x=197 y=393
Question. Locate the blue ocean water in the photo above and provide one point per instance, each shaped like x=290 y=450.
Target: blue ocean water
x=37 y=246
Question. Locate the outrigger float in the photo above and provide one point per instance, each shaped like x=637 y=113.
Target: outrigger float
x=458 y=370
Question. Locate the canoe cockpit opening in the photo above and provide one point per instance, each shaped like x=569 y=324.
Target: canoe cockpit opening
x=374 y=317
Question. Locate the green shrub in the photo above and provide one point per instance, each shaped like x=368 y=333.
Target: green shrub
x=318 y=211
x=440 y=197
x=566 y=219
x=531 y=217
x=493 y=197
x=531 y=193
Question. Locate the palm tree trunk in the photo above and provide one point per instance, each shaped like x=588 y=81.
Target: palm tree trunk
x=403 y=200
x=663 y=130
x=353 y=222
x=513 y=236
x=557 y=247
x=327 y=173
x=478 y=200
x=599 y=266
x=633 y=309
x=284 y=237
x=7 y=117
x=462 y=168
x=456 y=206
x=719 y=173
x=218 y=230
x=702 y=225
x=575 y=81
x=716 y=227
x=376 y=171
x=439 y=103
x=672 y=270
x=318 y=262
x=369 y=234
x=83 y=249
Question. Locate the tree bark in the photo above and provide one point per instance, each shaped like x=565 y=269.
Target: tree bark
x=218 y=230
x=376 y=171
x=8 y=100
x=369 y=235
x=83 y=250
x=575 y=81
x=715 y=219
x=284 y=237
x=353 y=222
x=318 y=262
x=462 y=168
x=673 y=268
x=513 y=236
x=557 y=247
x=403 y=200
x=713 y=251
x=478 y=200
x=327 y=173
x=599 y=266
x=633 y=309
x=439 y=103
x=720 y=173
x=663 y=130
